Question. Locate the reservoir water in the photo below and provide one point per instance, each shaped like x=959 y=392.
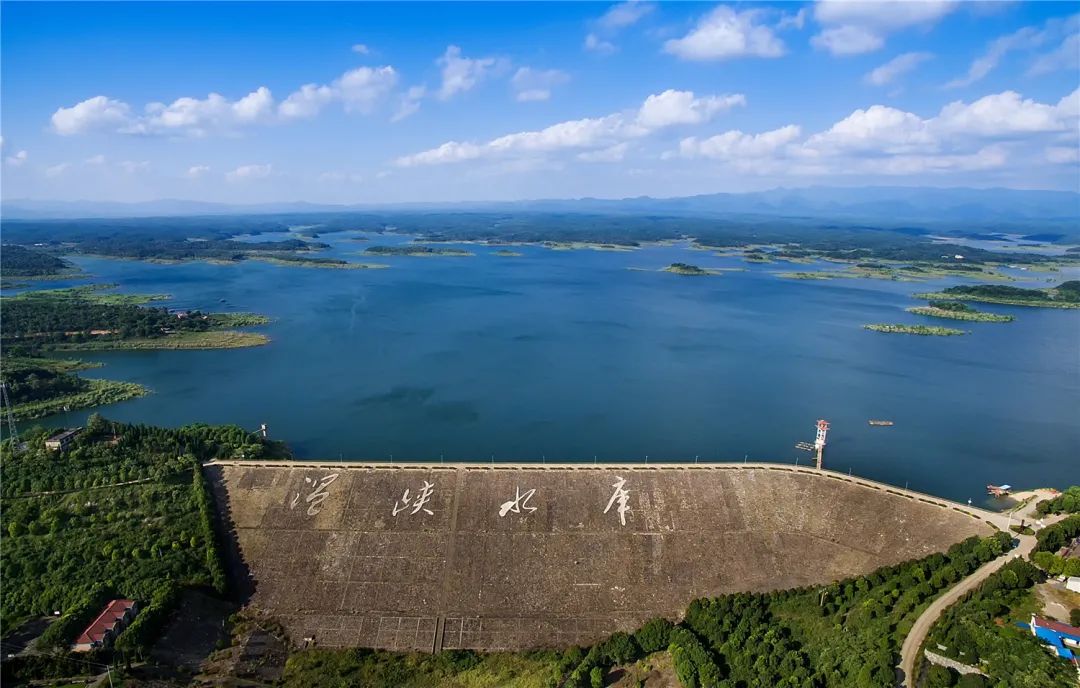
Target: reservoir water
x=570 y=355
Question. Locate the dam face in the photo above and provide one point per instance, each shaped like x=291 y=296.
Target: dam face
x=476 y=557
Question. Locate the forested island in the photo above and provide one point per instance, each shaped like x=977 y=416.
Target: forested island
x=90 y=318
x=924 y=330
x=687 y=269
x=1065 y=295
x=956 y=310
x=415 y=250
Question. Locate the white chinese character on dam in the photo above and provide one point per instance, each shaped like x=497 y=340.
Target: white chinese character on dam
x=519 y=502
x=417 y=502
x=621 y=496
x=317 y=495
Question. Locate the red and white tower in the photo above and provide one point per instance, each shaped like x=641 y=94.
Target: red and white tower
x=819 y=441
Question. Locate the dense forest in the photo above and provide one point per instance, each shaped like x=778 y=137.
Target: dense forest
x=124 y=507
x=34 y=319
x=19 y=261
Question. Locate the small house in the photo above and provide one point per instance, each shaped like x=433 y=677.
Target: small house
x=1073 y=583
x=103 y=630
x=61 y=440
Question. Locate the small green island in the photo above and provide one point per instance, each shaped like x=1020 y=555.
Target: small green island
x=36 y=325
x=1065 y=295
x=688 y=269
x=416 y=250
x=924 y=330
x=956 y=310
x=507 y=253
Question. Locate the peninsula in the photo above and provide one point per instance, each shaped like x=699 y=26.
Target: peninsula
x=90 y=318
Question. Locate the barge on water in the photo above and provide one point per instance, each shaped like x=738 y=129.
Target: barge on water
x=881 y=423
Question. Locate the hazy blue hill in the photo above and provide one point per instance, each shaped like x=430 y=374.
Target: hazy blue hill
x=936 y=208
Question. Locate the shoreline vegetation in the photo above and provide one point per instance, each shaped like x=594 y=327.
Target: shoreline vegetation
x=954 y=310
x=1065 y=295
x=87 y=318
x=924 y=330
x=507 y=253
x=97 y=393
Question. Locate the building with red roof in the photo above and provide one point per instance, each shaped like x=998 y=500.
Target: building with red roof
x=103 y=630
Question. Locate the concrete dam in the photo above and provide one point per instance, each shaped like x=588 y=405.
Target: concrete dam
x=512 y=556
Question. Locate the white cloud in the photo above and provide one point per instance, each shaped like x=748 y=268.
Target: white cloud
x=887 y=16
x=614 y=153
x=357 y=90
x=594 y=43
x=18 y=159
x=1005 y=114
x=1063 y=155
x=409 y=103
x=736 y=144
x=657 y=112
x=97 y=113
x=361 y=89
x=725 y=33
x=360 y=49
x=461 y=74
x=982 y=135
x=1065 y=56
x=681 y=107
x=198 y=171
x=58 y=169
x=624 y=14
x=451 y=151
x=306 y=102
x=896 y=67
x=133 y=166
x=852 y=28
x=617 y=18
x=98 y=159
x=245 y=172
x=1025 y=37
x=536 y=84
x=848 y=40
x=792 y=21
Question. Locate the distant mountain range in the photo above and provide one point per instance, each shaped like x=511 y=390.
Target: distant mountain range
x=987 y=208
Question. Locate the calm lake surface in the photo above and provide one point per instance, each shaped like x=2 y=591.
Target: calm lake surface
x=570 y=355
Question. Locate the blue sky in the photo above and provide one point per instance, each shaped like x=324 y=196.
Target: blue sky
x=369 y=103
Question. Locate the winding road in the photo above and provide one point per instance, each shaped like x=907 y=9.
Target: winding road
x=913 y=643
